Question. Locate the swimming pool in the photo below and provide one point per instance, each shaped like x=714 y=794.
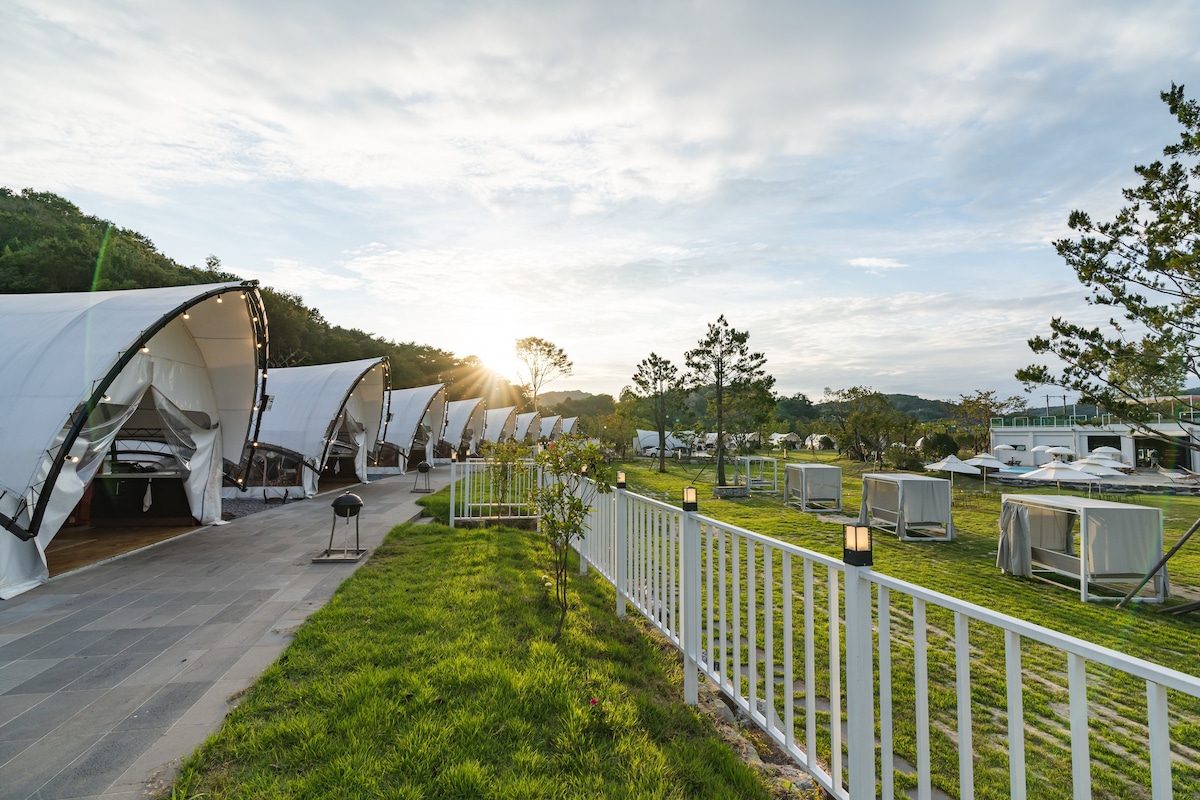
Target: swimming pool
x=1017 y=470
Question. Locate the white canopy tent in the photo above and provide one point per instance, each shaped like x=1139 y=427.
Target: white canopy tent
x=417 y=418
x=1092 y=541
x=551 y=427
x=813 y=487
x=499 y=424
x=529 y=426
x=568 y=425
x=319 y=416
x=915 y=507
x=78 y=370
x=646 y=439
x=464 y=424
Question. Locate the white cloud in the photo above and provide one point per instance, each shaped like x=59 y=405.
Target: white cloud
x=876 y=265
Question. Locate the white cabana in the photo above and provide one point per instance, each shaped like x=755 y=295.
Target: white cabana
x=761 y=473
x=551 y=427
x=464 y=424
x=813 y=487
x=529 y=426
x=568 y=425
x=1096 y=542
x=322 y=420
x=500 y=424
x=915 y=507
x=176 y=366
x=417 y=418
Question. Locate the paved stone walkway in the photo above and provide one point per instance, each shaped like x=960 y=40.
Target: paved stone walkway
x=111 y=674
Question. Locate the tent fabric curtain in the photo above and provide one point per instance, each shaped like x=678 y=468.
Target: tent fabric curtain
x=1012 y=554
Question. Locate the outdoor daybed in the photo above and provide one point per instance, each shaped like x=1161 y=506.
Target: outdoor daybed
x=762 y=473
x=1096 y=542
x=915 y=507
x=813 y=487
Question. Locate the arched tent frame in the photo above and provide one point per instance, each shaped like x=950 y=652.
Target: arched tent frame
x=500 y=424
x=568 y=426
x=101 y=357
x=320 y=395
x=528 y=425
x=465 y=420
x=551 y=428
x=410 y=411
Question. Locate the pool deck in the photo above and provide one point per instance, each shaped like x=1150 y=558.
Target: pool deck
x=111 y=674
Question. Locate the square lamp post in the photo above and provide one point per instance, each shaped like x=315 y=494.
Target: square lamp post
x=856 y=549
x=689 y=498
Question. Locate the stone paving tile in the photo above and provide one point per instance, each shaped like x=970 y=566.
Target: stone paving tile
x=62 y=674
x=113 y=642
x=69 y=645
x=164 y=667
x=211 y=665
x=13 y=705
x=44 y=717
x=165 y=707
x=116 y=669
x=108 y=711
x=161 y=638
x=26 y=773
x=10 y=750
x=100 y=765
x=17 y=672
x=47 y=634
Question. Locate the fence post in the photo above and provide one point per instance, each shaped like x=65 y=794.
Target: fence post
x=620 y=550
x=690 y=605
x=860 y=685
x=453 y=481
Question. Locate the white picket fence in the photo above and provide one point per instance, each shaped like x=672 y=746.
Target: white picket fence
x=834 y=646
x=483 y=490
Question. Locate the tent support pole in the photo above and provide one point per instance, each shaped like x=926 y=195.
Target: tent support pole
x=1167 y=557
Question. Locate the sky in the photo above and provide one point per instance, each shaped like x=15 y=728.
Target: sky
x=871 y=190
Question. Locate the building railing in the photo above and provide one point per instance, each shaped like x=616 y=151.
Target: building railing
x=821 y=656
x=487 y=490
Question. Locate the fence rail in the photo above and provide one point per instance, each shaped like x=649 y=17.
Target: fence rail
x=834 y=662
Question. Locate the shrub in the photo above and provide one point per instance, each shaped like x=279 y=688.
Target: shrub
x=939 y=445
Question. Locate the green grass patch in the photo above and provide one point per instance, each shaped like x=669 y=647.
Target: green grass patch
x=430 y=674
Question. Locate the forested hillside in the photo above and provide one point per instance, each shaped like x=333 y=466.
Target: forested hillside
x=47 y=244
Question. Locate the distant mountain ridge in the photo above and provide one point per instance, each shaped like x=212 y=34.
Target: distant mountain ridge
x=548 y=399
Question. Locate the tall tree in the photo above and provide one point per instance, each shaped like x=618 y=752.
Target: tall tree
x=864 y=422
x=975 y=412
x=544 y=361
x=1145 y=263
x=657 y=379
x=723 y=360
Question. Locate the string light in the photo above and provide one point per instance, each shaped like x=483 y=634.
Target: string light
x=145 y=348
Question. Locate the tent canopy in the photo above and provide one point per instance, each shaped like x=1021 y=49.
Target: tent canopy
x=1118 y=543
x=916 y=507
x=464 y=424
x=499 y=424
x=813 y=487
x=77 y=367
x=528 y=425
x=418 y=415
x=650 y=439
x=324 y=408
x=551 y=427
x=568 y=425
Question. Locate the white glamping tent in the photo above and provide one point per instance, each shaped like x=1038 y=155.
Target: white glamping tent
x=1091 y=541
x=915 y=507
x=319 y=418
x=175 y=367
x=529 y=425
x=500 y=424
x=647 y=439
x=568 y=425
x=551 y=428
x=813 y=487
x=417 y=418
x=464 y=424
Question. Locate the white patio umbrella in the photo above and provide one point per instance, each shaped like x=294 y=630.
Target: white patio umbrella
x=1058 y=472
x=985 y=462
x=1093 y=468
x=1003 y=448
x=952 y=464
x=1041 y=448
x=1060 y=451
x=1107 y=449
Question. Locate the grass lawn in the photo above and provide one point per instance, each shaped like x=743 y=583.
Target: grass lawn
x=431 y=674
x=965 y=568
